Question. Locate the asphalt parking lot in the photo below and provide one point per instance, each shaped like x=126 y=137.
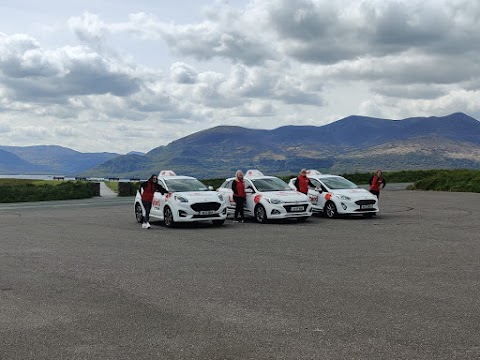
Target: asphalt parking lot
x=82 y=280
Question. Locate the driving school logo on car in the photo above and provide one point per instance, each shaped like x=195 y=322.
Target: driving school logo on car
x=281 y=193
x=313 y=199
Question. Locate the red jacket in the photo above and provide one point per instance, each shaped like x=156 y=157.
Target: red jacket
x=238 y=188
x=302 y=183
x=377 y=183
x=149 y=188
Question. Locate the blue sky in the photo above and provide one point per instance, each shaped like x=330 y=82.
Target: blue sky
x=124 y=76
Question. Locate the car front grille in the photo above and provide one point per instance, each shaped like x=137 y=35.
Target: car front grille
x=205 y=216
x=365 y=202
x=296 y=206
x=206 y=206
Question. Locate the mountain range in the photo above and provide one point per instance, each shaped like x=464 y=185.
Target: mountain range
x=352 y=144
x=48 y=159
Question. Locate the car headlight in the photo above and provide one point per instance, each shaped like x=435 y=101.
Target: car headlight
x=180 y=198
x=343 y=197
x=274 y=201
x=220 y=196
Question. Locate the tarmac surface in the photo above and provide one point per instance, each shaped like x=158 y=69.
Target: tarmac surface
x=81 y=280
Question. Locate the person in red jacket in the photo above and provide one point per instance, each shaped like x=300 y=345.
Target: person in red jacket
x=147 y=191
x=302 y=182
x=239 y=195
x=377 y=182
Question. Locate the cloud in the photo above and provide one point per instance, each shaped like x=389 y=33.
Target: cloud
x=262 y=63
x=31 y=73
x=183 y=73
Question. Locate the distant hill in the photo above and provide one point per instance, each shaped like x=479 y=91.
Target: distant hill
x=48 y=159
x=355 y=143
x=12 y=164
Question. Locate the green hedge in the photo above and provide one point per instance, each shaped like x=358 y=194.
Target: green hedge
x=450 y=180
x=440 y=180
x=35 y=190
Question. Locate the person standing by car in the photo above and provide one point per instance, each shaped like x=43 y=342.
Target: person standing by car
x=302 y=182
x=239 y=195
x=377 y=182
x=147 y=191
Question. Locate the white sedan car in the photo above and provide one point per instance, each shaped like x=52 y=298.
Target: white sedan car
x=334 y=195
x=187 y=200
x=268 y=198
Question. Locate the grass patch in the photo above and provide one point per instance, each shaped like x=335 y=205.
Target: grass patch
x=112 y=185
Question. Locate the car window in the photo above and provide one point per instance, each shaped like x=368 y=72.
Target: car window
x=162 y=183
x=315 y=182
x=183 y=185
x=337 y=183
x=227 y=184
x=270 y=184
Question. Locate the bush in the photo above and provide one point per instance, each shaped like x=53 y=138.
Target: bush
x=450 y=180
x=33 y=190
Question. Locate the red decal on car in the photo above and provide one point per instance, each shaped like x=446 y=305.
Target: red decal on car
x=328 y=196
x=257 y=198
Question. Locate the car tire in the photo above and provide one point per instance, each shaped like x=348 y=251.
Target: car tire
x=168 y=217
x=330 y=210
x=260 y=214
x=138 y=213
x=218 y=222
x=302 y=219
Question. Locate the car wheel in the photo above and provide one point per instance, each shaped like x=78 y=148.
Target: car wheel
x=168 y=217
x=330 y=210
x=302 y=219
x=260 y=214
x=218 y=222
x=138 y=213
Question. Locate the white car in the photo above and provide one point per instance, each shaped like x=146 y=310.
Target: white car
x=334 y=195
x=187 y=200
x=268 y=198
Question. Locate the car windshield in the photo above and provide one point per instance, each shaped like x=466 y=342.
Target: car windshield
x=183 y=185
x=270 y=184
x=337 y=183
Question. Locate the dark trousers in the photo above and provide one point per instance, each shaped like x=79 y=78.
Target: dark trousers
x=376 y=192
x=239 y=203
x=148 y=206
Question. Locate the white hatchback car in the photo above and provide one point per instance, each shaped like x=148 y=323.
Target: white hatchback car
x=334 y=195
x=268 y=198
x=187 y=200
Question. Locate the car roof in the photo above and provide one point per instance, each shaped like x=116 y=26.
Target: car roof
x=321 y=176
x=176 y=177
x=254 y=177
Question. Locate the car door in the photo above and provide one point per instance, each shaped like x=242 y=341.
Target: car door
x=321 y=192
x=158 y=201
x=227 y=192
x=313 y=193
x=250 y=200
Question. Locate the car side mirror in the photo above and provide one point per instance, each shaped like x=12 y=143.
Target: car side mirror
x=319 y=189
x=249 y=190
x=210 y=188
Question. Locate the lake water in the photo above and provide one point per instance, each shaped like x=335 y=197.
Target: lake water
x=42 y=177
x=53 y=177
